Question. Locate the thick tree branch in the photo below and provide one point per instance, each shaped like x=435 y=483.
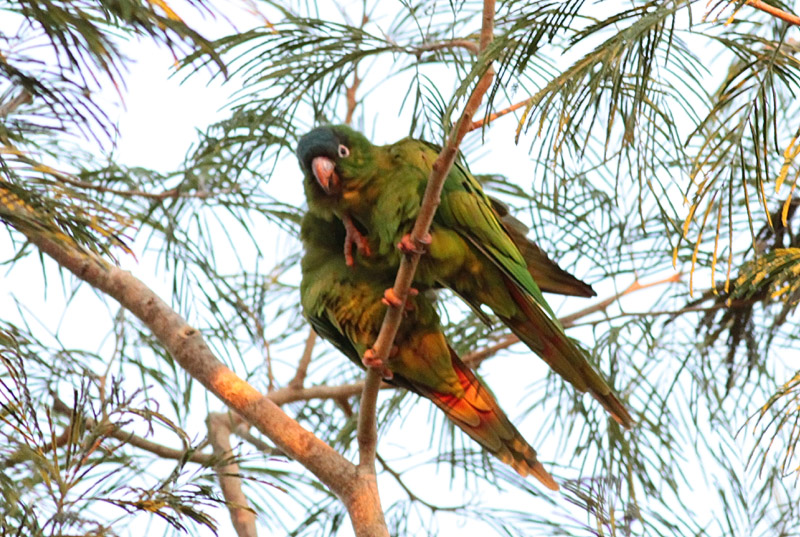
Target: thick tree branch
x=189 y=349
x=243 y=517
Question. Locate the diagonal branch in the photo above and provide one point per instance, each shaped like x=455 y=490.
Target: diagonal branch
x=430 y=202
x=485 y=121
x=775 y=12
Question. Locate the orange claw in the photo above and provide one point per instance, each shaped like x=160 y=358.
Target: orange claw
x=409 y=245
x=391 y=299
x=372 y=362
x=354 y=237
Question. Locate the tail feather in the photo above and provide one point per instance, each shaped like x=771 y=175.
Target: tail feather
x=477 y=413
x=541 y=333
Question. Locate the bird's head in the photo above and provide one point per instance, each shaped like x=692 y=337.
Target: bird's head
x=332 y=154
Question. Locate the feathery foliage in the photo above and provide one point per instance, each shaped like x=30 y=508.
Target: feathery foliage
x=649 y=138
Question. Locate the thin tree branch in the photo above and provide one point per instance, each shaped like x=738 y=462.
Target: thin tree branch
x=302 y=368
x=166 y=194
x=467 y=44
x=475 y=358
x=367 y=429
x=570 y=320
x=735 y=304
x=430 y=202
x=286 y=395
x=775 y=12
x=350 y=93
x=411 y=496
x=486 y=120
x=291 y=394
x=243 y=517
x=243 y=432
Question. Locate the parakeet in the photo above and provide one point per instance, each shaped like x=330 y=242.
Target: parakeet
x=376 y=191
x=343 y=304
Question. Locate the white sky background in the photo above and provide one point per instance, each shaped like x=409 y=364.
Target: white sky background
x=159 y=123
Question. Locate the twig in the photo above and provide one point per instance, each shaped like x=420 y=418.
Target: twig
x=351 y=96
x=735 y=304
x=8 y=107
x=114 y=431
x=569 y=320
x=172 y=193
x=243 y=517
x=481 y=122
x=474 y=359
x=243 y=431
x=411 y=496
x=775 y=12
x=468 y=44
x=430 y=202
x=350 y=93
x=286 y=395
x=166 y=194
x=302 y=368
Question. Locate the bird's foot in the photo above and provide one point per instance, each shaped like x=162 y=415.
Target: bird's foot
x=372 y=362
x=354 y=237
x=391 y=299
x=409 y=245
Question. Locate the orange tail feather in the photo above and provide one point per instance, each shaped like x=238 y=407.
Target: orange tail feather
x=479 y=415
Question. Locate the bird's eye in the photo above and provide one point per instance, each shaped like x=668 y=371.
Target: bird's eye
x=343 y=151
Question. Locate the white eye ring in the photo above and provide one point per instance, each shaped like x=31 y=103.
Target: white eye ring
x=343 y=151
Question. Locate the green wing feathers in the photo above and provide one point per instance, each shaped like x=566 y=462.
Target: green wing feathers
x=546 y=337
x=550 y=277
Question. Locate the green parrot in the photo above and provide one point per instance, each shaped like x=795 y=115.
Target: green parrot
x=376 y=191
x=344 y=306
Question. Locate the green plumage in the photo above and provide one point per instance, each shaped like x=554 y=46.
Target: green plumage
x=343 y=304
x=473 y=252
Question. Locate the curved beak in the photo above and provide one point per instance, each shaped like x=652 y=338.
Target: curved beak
x=324 y=172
